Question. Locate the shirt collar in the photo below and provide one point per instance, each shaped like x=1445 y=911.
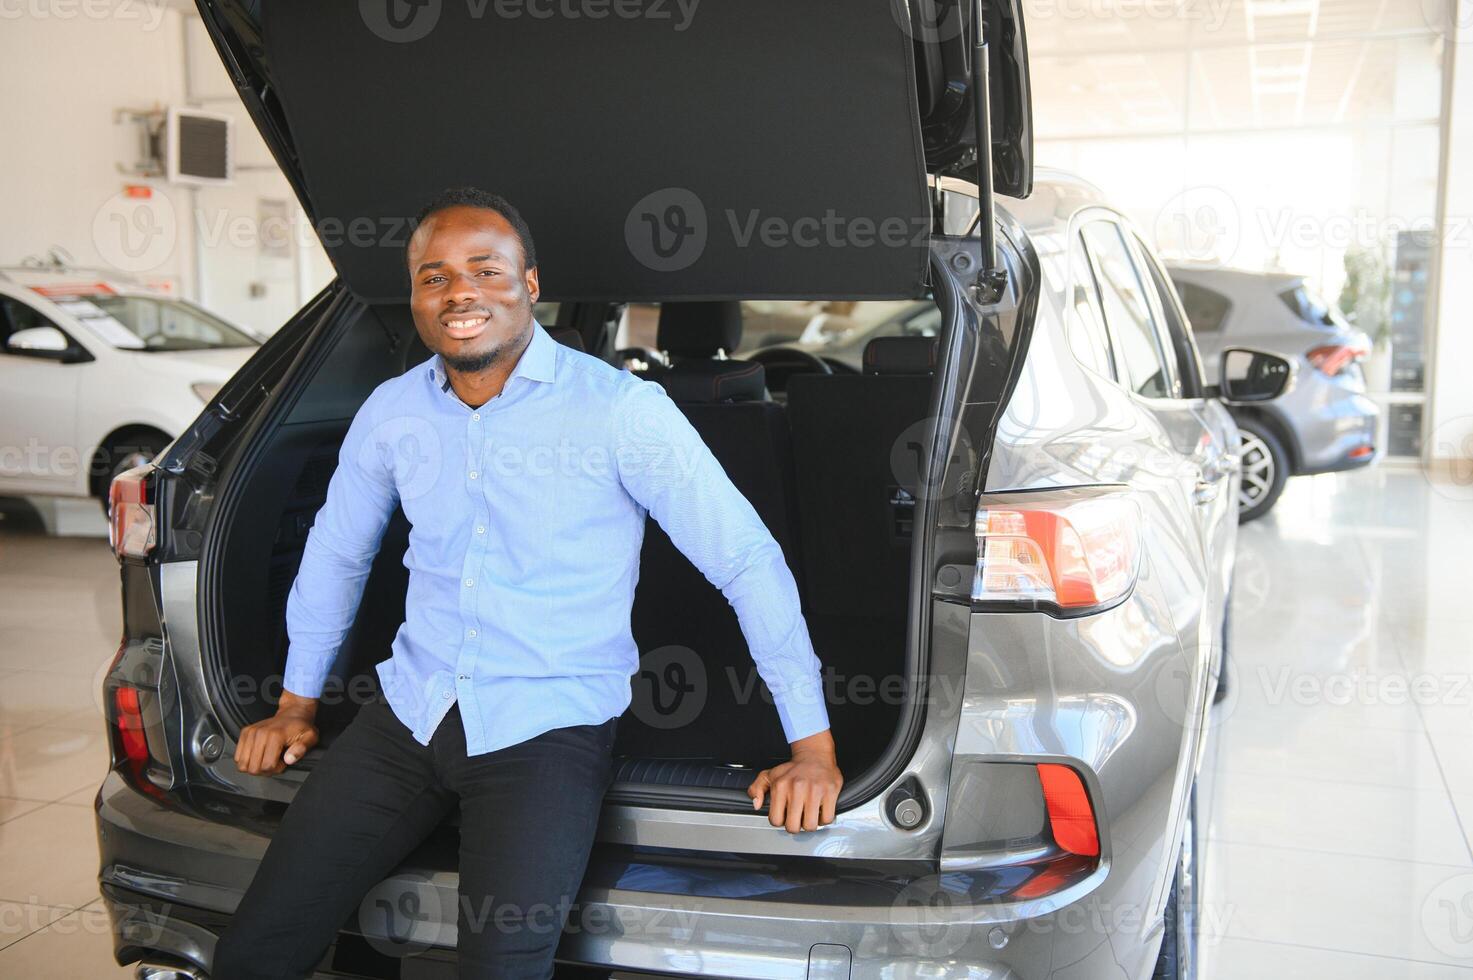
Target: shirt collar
x=537 y=363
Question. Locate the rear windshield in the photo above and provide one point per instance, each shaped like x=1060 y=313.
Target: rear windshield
x=1309 y=307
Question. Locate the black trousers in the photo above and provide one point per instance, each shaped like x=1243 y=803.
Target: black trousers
x=527 y=819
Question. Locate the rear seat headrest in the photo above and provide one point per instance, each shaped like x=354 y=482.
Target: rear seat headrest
x=900 y=355
x=568 y=337
x=715 y=381
x=699 y=329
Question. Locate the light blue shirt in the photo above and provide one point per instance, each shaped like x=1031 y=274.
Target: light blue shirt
x=527 y=518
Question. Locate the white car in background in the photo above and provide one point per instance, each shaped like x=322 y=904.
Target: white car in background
x=98 y=374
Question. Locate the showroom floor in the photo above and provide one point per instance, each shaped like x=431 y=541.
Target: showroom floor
x=1341 y=788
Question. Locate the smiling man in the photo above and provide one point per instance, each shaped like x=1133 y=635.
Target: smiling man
x=526 y=470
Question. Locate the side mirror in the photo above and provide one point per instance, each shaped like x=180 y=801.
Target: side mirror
x=38 y=340
x=1249 y=375
x=46 y=342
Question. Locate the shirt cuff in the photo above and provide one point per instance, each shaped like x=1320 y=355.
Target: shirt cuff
x=802 y=711
x=304 y=678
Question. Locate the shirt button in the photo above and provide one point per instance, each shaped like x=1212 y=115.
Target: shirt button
x=446 y=695
x=470 y=583
x=465 y=677
x=475 y=416
x=480 y=529
x=474 y=474
x=470 y=633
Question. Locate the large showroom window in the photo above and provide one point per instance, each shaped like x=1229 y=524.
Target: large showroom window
x=1324 y=163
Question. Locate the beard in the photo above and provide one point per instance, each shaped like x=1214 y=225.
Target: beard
x=481 y=360
x=473 y=363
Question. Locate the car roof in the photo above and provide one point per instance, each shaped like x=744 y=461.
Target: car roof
x=1226 y=277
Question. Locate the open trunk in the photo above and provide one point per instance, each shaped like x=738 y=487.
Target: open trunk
x=829 y=464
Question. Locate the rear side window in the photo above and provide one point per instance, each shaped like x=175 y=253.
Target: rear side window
x=1085 y=326
x=1127 y=312
x=1206 y=308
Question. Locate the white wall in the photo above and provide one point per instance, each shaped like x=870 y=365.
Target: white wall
x=64 y=71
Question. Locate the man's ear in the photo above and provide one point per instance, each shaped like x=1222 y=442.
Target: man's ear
x=533 y=289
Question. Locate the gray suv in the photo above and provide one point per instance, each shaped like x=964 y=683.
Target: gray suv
x=1326 y=424
x=1013 y=539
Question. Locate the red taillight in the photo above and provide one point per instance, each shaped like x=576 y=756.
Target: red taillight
x=131 y=528
x=1361 y=452
x=130 y=748
x=1075 y=549
x=1070 y=816
x=1331 y=359
x=129 y=721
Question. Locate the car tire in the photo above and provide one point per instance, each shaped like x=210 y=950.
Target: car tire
x=1178 y=958
x=124 y=454
x=1265 y=469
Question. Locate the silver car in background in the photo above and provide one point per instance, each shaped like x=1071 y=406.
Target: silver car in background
x=1325 y=423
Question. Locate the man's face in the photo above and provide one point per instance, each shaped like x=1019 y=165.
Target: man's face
x=471 y=293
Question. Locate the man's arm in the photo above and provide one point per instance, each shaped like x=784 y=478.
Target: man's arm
x=323 y=601
x=666 y=467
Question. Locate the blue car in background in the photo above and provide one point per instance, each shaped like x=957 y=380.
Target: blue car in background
x=1325 y=423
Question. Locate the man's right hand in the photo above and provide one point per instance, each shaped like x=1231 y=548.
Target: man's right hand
x=268 y=747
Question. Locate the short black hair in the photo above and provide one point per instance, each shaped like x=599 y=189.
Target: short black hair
x=474 y=197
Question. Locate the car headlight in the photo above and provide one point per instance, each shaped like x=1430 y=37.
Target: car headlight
x=205 y=390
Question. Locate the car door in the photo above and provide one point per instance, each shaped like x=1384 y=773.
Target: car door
x=1173 y=441
x=1217 y=456
x=38 y=415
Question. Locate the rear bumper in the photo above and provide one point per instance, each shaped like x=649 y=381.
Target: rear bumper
x=171 y=880
x=1332 y=427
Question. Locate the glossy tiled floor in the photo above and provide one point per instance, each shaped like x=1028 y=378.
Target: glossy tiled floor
x=59 y=625
x=1341 y=809
x=1339 y=797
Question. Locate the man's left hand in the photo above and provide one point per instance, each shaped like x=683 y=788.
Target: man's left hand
x=804 y=791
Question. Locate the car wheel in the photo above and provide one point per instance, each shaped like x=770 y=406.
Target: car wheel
x=1265 y=468
x=122 y=457
x=1178 y=959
